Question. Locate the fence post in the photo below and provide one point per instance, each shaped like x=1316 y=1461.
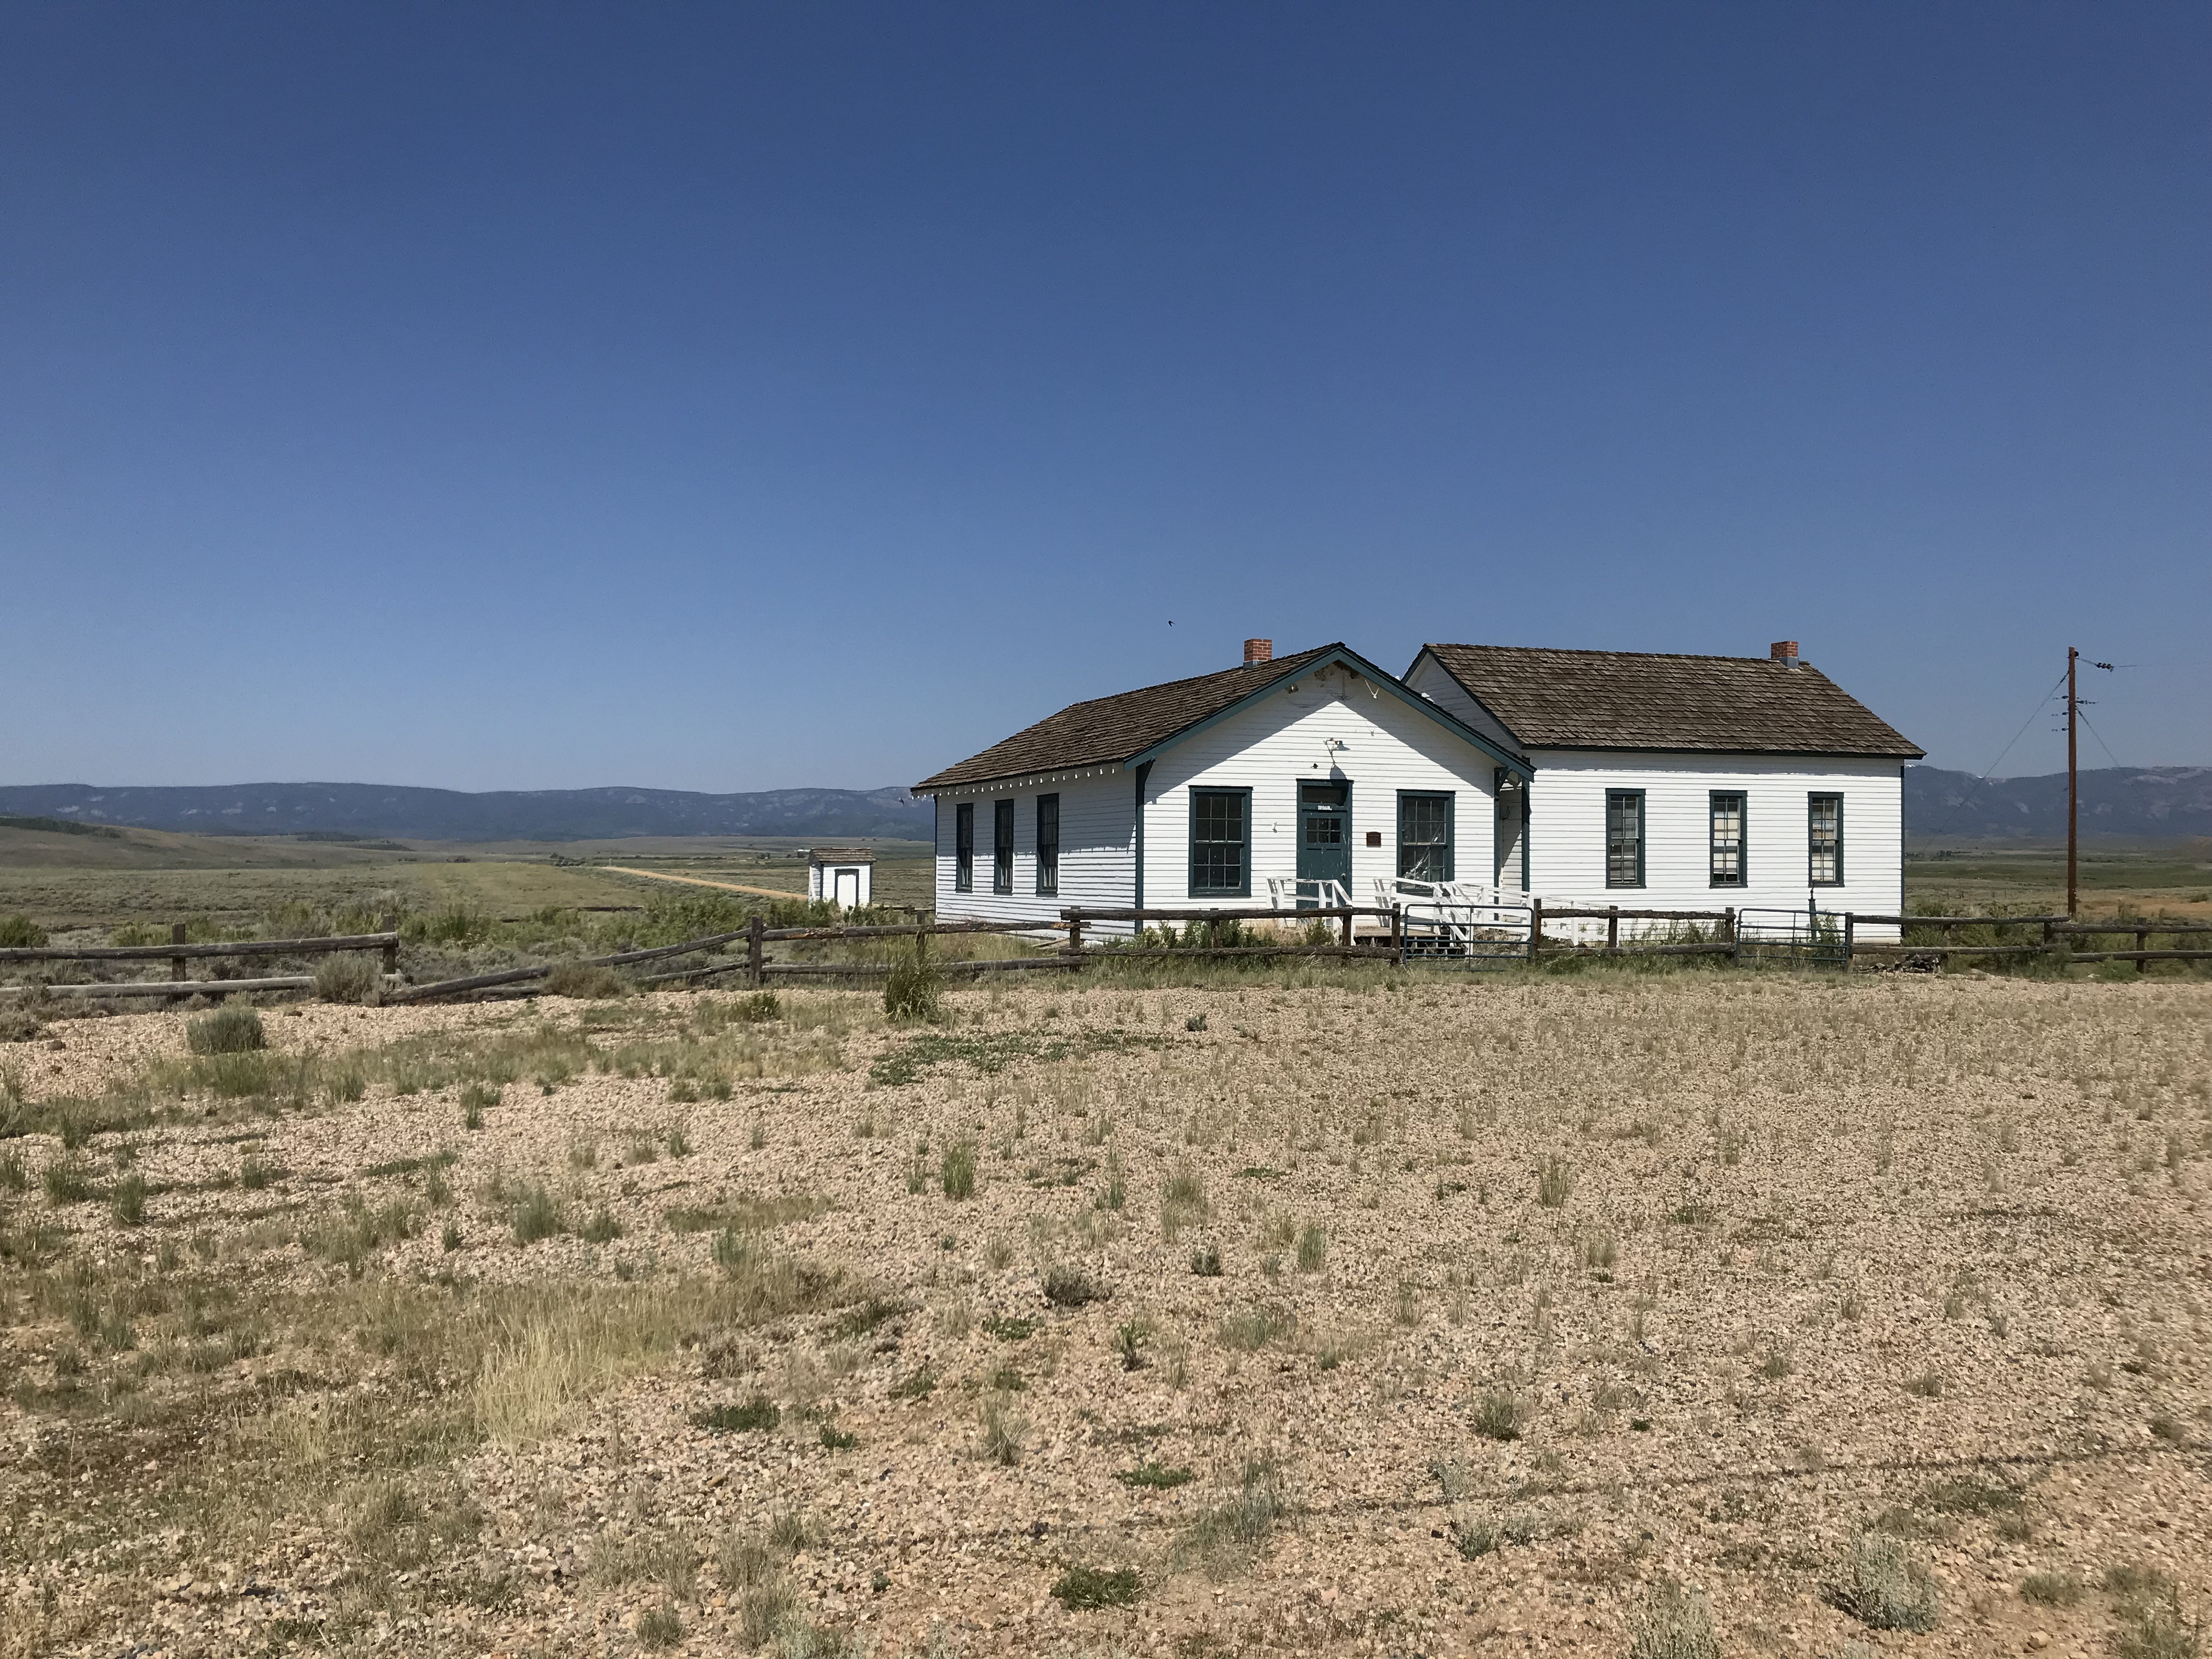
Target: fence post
x=2142 y=942
x=1397 y=936
x=1347 y=929
x=176 y=968
x=1535 y=927
x=921 y=943
x=1728 y=920
x=1850 y=930
x=754 y=929
x=1613 y=929
x=1075 y=935
x=390 y=925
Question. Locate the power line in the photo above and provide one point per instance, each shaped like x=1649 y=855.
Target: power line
x=2100 y=736
x=1961 y=805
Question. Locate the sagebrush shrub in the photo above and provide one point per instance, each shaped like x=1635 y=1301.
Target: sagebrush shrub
x=1676 y=1622
x=1884 y=1585
x=233 y=1029
x=575 y=979
x=20 y=933
x=347 y=977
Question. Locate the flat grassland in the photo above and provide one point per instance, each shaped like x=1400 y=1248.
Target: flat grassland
x=126 y=877
x=1318 y=1314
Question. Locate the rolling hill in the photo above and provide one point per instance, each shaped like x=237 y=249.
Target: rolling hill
x=2148 y=803
x=374 y=810
x=2157 y=803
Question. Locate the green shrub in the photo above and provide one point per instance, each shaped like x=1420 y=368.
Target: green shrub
x=1071 y=1287
x=1676 y=1622
x=20 y=933
x=914 y=991
x=1499 y=1416
x=758 y=1009
x=18 y=1023
x=348 y=976
x=536 y=1216
x=753 y=1416
x=2051 y=1589
x=1884 y=1585
x=575 y=979
x=1313 y=1248
x=1154 y=1475
x=1097 y=1587
x=233 y=1029
x=601 y=1229
x=660 y=1627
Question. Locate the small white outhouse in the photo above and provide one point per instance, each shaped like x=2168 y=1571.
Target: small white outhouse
x=843 y=875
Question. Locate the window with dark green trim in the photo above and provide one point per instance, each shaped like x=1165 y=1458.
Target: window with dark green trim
x=1824 y=823
x=1624 y=838
x=1002 y=847
x=1425 y=834
x=964 y=847
x=1220 y=843
x=1048 y=846
x=1725 y=842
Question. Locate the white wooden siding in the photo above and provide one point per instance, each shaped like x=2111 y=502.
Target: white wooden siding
x=1283 y=739
x=1096 y=856
x=1567 y=830
x=1429 y=678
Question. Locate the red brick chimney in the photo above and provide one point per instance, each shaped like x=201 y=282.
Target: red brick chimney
x=1256 y=651
x=1783 y=651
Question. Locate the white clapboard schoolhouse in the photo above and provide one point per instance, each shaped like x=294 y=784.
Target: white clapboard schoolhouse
x=1587 y=778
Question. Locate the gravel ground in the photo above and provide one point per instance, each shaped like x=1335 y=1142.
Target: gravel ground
x=1923 y=1256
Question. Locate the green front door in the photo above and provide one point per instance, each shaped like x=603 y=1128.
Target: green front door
x=1324 y=834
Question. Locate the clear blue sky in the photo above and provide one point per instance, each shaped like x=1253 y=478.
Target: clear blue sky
x=731 y=397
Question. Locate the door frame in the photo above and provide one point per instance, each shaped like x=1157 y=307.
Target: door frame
x=1298 y=832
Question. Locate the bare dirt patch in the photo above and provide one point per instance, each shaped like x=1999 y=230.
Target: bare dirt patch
x=1442 y=1318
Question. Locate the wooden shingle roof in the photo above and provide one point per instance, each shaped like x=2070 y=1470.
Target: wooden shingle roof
x=1645 y=700
x=1107 y=730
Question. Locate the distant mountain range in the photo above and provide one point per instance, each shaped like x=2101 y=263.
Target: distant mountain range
x=2146 y=803
x=327 y=811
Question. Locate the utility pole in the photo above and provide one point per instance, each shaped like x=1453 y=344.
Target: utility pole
x=2073 y=788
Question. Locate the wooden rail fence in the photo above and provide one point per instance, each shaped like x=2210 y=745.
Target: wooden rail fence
x=2053 y=936
x=180 y=955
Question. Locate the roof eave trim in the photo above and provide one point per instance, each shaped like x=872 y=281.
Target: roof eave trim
x=1518 y=764
x=1730 y=749
x=1024 y=780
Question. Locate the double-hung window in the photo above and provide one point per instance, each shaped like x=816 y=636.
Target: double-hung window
x=1624 y=838
x=1425 y=835
x=1824 y=817
x=1002 y=847
x=1048 y=846
x=1220 y=843
x=1725 y=857
x=964 y=847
